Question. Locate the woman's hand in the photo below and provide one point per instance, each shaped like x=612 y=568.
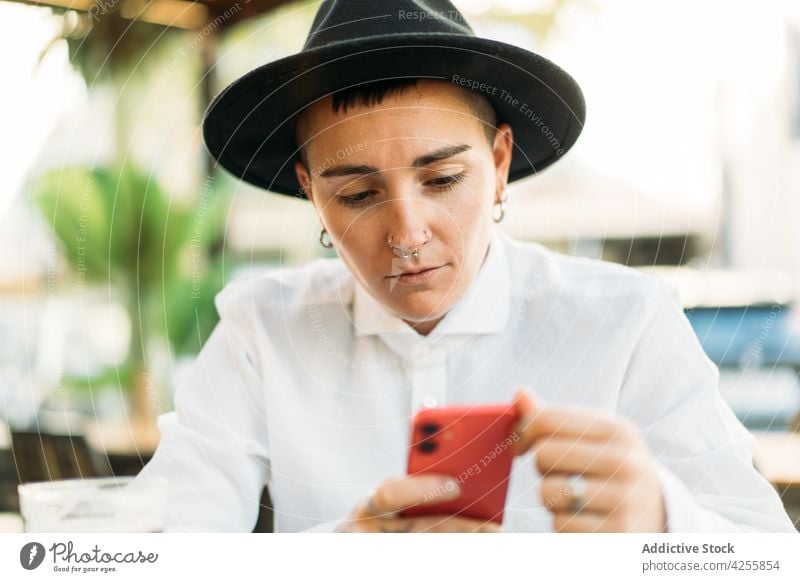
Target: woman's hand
x=621 y=489
x=378 y=513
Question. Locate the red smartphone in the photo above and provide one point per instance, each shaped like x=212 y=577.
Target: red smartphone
x=472 y=444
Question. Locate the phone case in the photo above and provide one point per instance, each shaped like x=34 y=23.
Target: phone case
x=472 y=444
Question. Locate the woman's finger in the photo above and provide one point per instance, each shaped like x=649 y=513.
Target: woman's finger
x=601 y=496
x=585 y=522
x=537 y=421
x=527 y=407
x=437 y=524
x=395 y=495
x=565 y=455
x=578 y=423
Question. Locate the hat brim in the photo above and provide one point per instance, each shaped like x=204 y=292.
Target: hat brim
x=249 y=126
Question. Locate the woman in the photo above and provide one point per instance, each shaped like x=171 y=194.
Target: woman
x=310 y=379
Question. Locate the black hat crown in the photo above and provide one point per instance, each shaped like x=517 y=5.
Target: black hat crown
x=338 y=20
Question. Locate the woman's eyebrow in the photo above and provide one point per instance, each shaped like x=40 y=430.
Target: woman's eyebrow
x=419 y=162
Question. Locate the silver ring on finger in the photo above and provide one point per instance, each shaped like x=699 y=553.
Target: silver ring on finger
x=576 y=491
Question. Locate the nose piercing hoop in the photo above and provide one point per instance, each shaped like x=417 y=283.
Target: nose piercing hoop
x=401 y=252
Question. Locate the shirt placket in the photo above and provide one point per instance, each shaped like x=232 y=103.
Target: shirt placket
x=427 y=376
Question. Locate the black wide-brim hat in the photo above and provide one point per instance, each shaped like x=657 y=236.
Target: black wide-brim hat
x=249 y=128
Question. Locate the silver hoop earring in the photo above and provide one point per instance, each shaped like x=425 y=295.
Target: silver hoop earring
x=329 y=244
x=502 y=206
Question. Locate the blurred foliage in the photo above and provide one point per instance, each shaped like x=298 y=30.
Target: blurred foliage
x=544 y=20
x=118 y=227
x=102 y=44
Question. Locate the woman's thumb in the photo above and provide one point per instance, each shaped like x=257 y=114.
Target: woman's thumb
x=526 y=403
x=527 y=406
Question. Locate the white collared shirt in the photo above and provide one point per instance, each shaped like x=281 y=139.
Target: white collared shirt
x=309 y=385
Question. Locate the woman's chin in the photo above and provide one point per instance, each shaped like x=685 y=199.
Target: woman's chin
x=419 y=311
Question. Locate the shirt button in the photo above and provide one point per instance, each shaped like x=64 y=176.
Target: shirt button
x=429 y=402
x=429 y=356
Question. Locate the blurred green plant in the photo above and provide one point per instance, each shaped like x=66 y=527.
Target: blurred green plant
x=118 y=227
x=543 y=18
x=102 y=44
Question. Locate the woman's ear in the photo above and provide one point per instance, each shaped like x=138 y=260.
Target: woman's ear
x=502 y=150
x=305 y=180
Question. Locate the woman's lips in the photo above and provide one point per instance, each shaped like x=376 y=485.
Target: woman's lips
x=417 y=278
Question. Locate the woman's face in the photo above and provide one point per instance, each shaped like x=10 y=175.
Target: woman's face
x=416 y=168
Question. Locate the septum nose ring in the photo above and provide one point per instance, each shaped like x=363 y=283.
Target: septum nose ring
x=401 y=251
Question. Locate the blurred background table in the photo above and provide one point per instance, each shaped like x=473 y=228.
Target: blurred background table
x=10 y=523
x=128 y=447
x=776 y=458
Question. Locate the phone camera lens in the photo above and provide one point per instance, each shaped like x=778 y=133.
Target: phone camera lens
x=428 y=446
x=429 y=428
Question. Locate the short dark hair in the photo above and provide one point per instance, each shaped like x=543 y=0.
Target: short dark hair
x=376 y=91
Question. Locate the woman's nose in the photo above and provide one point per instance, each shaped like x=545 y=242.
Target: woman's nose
x=407 y=226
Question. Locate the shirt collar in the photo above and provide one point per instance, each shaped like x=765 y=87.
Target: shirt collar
x=483 y=308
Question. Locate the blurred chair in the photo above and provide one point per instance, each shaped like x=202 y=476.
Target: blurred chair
x=8 y=478
x=776 y=458
x=757 y=349
x=265 y=514
x=41 y=456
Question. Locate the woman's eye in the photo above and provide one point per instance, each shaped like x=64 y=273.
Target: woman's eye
x=355 y=199
x=444 y=183
x=447 y=182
